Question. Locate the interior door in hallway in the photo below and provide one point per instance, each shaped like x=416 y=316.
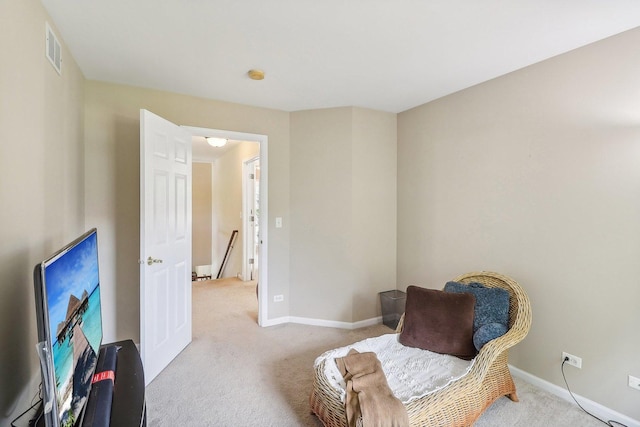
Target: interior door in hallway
x=165 y=242
x=251 y=216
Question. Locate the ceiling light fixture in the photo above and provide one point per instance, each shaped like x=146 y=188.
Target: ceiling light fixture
x=256 y=74
x=216 y=142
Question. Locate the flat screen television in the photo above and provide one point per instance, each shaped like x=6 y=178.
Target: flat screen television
x=67 y=293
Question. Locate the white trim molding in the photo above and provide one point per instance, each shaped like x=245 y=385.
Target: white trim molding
x=324 y=323
x=593 y=407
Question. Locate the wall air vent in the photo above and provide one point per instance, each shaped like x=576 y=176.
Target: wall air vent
x=53 y=51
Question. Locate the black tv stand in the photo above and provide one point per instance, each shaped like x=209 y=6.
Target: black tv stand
x=128 y=407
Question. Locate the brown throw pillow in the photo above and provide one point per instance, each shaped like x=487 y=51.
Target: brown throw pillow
x=439 y=321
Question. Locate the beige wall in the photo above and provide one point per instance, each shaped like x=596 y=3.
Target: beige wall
x=537 y=175
x=320 y=219
x=374 y=181
x=343 y=198
x=41 y=183
x=202 y=211
x=227 y=205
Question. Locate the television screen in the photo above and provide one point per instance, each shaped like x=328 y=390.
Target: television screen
x=67 y=289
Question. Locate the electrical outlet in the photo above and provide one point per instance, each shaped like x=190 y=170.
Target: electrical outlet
x=634 y=382
x=572 y=360
x=278 y=298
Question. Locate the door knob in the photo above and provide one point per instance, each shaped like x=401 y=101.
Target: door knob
x=151 y=261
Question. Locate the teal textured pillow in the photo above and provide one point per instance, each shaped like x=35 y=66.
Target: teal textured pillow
x=487 y=333
x=492 y=306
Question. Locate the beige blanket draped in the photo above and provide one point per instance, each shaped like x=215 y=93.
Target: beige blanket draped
x=368 y=393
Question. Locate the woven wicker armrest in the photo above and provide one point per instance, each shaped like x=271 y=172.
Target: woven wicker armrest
x=519 y=317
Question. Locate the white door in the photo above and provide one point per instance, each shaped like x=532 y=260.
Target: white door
x=165 y=242
x=251 y=218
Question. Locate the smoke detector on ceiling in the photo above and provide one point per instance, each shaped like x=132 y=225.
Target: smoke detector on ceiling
x=255 y=74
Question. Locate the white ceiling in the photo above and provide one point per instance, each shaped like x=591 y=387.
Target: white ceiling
x=389 y=55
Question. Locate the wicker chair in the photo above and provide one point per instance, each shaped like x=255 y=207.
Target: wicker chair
x=464 y=400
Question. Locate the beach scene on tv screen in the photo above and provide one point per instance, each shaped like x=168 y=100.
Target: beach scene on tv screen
x=73 y=298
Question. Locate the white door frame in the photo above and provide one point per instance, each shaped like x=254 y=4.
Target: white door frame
x=248 y=239
x=262 y=140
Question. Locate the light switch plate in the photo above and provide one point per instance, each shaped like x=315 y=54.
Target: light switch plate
x=634 y=382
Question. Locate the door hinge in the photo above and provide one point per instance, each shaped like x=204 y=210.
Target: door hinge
x=250 y=260
x=252 y=176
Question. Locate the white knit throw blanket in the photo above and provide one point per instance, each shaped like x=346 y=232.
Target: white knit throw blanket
x=411 y=372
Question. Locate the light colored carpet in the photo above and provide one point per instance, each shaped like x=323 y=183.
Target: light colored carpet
x=238 y=374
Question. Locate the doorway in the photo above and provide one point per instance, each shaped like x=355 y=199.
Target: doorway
x=259 y=246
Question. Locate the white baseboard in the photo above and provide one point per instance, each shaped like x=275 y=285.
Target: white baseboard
x=324 y=323
x=367 y=322
x=593 y=407
x=320 y=322
x=276 y=321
